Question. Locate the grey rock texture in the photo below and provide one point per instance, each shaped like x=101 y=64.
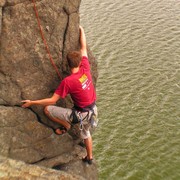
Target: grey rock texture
x=27 y=73
x=13 y=169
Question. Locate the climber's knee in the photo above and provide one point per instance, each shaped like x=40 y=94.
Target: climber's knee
x=46 y=110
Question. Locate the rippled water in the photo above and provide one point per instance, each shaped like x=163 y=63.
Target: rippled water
x=137 y=46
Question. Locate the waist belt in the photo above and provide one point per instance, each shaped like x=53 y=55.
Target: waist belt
x=85 y=109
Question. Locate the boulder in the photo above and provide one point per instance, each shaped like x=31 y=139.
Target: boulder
x=13 y=169
x=26 y=72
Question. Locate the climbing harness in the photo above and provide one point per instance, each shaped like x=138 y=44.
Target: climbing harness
x=44 y=41
x=90 y=117
x=80 y=119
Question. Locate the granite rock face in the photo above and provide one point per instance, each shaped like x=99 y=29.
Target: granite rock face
x=13 y=169
x=27 y=73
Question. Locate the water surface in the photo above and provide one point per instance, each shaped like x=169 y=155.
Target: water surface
x=137 y=46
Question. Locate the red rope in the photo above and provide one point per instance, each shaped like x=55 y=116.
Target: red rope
x=44 y=40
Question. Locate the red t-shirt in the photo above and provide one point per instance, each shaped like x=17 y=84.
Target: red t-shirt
x=79 y=85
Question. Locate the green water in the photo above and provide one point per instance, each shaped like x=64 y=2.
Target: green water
x=137 y=46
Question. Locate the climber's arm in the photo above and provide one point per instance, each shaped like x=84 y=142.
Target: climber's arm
x=44 y=102
x=83 y=42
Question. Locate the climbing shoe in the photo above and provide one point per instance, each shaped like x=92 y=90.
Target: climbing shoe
x=86 y=160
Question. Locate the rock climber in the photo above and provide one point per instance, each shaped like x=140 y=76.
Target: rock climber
x=80 y=86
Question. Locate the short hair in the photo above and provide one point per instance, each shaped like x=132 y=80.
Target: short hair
x=74 y=59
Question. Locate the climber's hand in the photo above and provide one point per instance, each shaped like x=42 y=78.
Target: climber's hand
x=27 y=103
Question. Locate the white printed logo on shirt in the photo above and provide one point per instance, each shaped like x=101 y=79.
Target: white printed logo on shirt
x=84 y=81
